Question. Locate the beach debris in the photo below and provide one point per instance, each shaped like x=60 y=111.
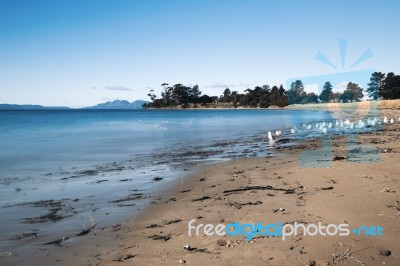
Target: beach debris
x=387 y=150
x=195 y=250
x=202 y=179
x=173 y=221
x=87 y=172
x=285 y=140
x=385 y=252
x=127 y=205
x=221 y=242
x=189 y=248
x=302 y=252
x=125 y=258
x=312 y=263
x=153 y=226
x=132 y=196
x=23 y=235
x=52 y=216
x=238 y=205
x=160 y=237
x=116 y=227
x=201 y=250
x=125 y=180
x=182 y=261
x=342 y=257
x=339 y=158
x=396 y=207
x=184 y=191
x=48 y=203
x=279 y=210
x=202 y=198
x=88 y=230
x=387 y=190
x=241 y=189
x=327 y=188
x=57 y=242
x=239 y=172
x=157 y=178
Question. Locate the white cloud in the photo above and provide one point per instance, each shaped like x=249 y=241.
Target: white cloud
x=117 y=88
x=217 y=86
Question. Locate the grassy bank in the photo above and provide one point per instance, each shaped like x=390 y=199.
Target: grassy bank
x=383 y=104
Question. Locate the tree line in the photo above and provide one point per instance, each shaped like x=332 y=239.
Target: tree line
x=384 y=86
x=179 y=95
x=381 y=86
x=297 y=95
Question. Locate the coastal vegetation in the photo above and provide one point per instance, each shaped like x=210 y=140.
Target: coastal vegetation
x=182 y=96
x=381 y=87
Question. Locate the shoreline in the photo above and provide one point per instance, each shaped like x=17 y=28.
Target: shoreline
x=381 y=104
x=130 y=242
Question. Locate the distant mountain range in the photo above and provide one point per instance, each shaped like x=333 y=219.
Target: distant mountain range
x=28 y=107
x=112 y=105
x=119 y=104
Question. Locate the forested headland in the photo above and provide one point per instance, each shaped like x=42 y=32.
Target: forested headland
x=381 y=87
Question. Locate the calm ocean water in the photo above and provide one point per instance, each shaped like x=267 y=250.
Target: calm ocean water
x=75 y=164
x=37 y=142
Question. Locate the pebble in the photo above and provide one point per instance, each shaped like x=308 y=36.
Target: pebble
x=221 y=242
x=385 y=252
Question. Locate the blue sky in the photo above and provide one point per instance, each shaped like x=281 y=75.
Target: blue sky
x=79 y=53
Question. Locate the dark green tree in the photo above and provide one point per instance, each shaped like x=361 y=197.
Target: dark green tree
x=274 y=95
x=312 y=98
x=326 y=94
x=195 y=94
x=205 y=99
x=296 y=92
x=167 y=94
x=152 y=95
x=376 y=84
x=235 y=98
x=227 y=95
x=352 y=93
x=181 y=95
x=283 y=97
x=391 y=87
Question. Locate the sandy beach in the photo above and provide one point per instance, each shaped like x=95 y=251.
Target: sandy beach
x=199 y=133
x=270 y=190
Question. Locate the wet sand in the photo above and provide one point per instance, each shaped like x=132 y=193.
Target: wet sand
x=268 y=189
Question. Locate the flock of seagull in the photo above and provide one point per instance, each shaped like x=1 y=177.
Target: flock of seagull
x=337 y=126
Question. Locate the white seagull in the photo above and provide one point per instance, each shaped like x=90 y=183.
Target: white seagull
x=270 y=136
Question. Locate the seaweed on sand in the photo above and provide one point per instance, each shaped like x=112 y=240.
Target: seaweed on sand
x=132 y=196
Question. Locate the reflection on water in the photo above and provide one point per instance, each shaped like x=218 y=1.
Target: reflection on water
x=60 y=167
